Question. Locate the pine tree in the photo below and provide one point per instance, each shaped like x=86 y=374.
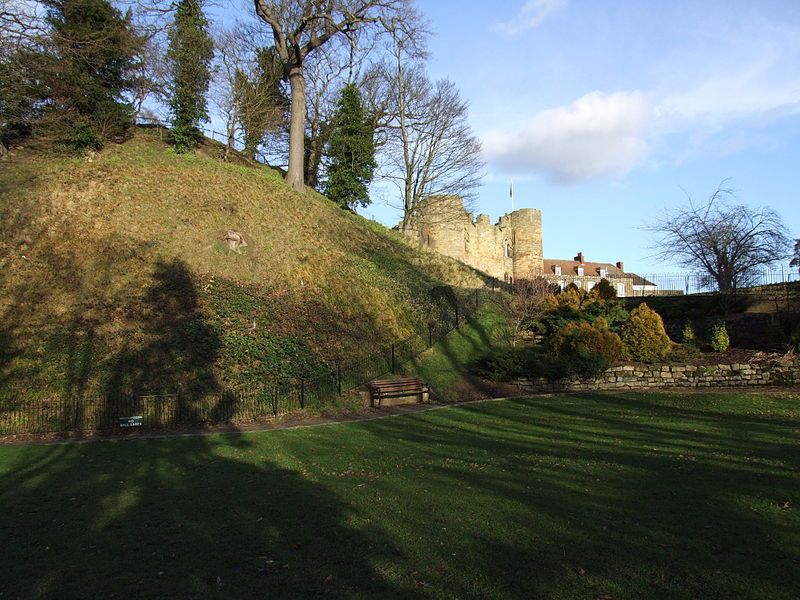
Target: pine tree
x=190 y=52
x=86 y=67
x=351 y=151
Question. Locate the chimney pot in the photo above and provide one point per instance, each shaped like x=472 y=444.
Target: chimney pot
x=621 y=266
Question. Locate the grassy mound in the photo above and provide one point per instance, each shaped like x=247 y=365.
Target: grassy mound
x=114 y=276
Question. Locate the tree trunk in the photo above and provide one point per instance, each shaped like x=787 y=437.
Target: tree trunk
x=295 y=172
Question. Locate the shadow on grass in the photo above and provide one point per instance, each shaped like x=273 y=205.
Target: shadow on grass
x=177 y=519
x=569 y=497
x=613 y=495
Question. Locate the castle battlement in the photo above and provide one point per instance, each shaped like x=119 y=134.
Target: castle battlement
x=507 y=250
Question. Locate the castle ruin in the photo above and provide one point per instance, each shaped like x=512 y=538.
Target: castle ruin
x=511 y=249
x=508 y=250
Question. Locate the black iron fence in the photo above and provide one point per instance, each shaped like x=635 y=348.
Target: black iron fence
x=773 y=281
x=269 y=399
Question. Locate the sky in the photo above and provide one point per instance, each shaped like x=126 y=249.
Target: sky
x=604 y=113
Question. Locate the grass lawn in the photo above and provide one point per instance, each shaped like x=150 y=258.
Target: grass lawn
x=597 y=496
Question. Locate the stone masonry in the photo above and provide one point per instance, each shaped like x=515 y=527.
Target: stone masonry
x=510 y=249
x=627 y=377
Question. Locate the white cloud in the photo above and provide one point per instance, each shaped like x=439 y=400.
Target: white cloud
x=532 y=14
x=753 y=91
x=598 y=135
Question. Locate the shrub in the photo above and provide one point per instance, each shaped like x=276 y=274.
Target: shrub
x=688 y=335
x=644 y=336
x=504 y=364
x=508 y=363
x=585 y=339
x=718 y=336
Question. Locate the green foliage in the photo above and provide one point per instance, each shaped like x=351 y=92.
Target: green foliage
x=508 y=363
x=581 y=338
x=190 y=52
x=644 y=336
x=351 y=151
x=84 y=70
x=560 y=317
x=718 y=336
x=688 y=334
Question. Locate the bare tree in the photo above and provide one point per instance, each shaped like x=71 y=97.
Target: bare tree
x=430 y=150
x=795 y=262
x=525 y=304
x=299 y=29
x=727 y=241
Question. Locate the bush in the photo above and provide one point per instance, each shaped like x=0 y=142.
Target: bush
x=718 y=336
x=508 y=363
x=585 y=339
x=504 y=364
x=644 y=336
x=688 y=335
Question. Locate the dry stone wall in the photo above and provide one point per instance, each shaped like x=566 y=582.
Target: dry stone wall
x=785 y=372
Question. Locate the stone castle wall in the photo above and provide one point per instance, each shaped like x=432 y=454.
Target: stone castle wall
x=509 y=249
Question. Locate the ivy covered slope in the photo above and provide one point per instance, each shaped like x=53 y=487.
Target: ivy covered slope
x=114 y=275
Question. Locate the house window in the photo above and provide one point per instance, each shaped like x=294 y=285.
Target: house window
x=621 y=290
x=557 y=270
x=603 y=272
x=577 y=283
x=580 y=271
x=589 y=286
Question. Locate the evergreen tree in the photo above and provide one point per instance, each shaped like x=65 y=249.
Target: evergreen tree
x=190 y=52
x=84 y=70
x=351 y=152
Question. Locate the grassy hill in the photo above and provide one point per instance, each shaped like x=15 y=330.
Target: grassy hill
x=114 y=275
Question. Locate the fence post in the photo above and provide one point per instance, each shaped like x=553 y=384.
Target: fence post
x=476 y=299
x=430 y=334
x=302 y=392
x=339 y=378
x=393 y=364
x=456 y=314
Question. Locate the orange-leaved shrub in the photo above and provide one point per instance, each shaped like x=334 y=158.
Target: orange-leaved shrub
x=644 y=335
x=584 y=338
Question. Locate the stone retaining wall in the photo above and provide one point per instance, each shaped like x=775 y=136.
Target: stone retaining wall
x=783 y=372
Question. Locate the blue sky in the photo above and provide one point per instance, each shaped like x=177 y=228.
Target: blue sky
x=604 y=111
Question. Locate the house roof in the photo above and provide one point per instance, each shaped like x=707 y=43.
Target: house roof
x=639 y=280
x=589 y=268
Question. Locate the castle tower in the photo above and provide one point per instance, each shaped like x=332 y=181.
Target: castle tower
x=526 y=224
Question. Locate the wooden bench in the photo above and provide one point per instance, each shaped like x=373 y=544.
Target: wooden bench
x=397 y=387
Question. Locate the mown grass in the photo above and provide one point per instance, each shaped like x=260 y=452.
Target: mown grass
x=596 y=496
x=448 y=361
x=90 y=253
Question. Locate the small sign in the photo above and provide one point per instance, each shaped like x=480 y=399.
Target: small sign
x=136 y=421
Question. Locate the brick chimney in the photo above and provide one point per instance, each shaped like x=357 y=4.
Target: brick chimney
x=579 y=258
x=621 y=266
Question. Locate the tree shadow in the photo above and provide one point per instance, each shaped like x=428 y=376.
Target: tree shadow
x=191 y=518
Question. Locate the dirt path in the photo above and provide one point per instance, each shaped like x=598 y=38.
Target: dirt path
x=302 y=421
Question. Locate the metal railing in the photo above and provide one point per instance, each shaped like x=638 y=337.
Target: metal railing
x=270 y=399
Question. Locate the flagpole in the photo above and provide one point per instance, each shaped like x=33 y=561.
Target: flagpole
x=511 y=193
